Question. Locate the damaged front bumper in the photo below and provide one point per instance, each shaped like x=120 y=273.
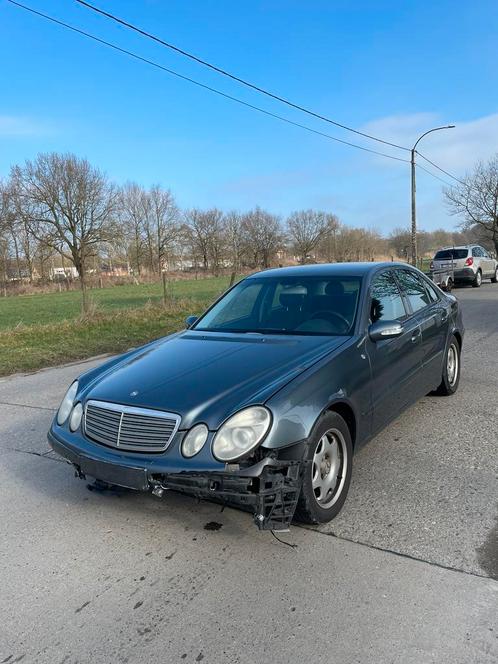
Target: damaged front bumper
x=269 y=488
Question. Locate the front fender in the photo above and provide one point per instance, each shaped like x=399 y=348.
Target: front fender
x=343 y=378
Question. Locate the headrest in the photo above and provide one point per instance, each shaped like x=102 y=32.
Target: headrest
x=334 y=288
x=293 y=296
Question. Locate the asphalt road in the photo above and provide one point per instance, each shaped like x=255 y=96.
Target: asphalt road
x=406 y=574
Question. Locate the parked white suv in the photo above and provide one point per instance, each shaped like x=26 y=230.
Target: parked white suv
x=469 y=264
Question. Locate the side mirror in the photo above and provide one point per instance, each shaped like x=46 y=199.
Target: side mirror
x=190 y=320
x=384 y=329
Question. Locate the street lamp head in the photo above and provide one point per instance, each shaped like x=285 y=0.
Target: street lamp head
x=450 y=127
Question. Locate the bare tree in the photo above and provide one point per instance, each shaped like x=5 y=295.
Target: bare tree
x=476 y=199
x=205 y=233
x=25 y=243
x=12 y=230
x=263 y=236
x=306 y=229
x=217 y=242
x=164 y=219
x=131 y=216
x=235 y=242
x=71 y=204
x=4 y=217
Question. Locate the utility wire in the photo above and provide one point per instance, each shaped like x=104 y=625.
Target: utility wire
x=433 y=175
x=201 y=85
x=442 y=169
x=233 y=76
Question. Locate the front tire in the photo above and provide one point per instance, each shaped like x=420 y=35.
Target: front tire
x=477 y=279
x=451 y=369
x=494 y=280
x=328 y=472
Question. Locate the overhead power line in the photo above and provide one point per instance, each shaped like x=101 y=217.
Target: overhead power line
x=442 y=169
x=197 y=83
x=448 y=184
x=228 y=74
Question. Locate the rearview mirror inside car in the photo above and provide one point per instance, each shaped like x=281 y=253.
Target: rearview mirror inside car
x=385 y=329
x=190 y=320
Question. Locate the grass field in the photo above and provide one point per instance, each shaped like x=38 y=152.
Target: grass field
x=47 y=329
x=54 y=307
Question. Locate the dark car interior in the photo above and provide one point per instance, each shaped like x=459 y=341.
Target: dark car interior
x=307 y=305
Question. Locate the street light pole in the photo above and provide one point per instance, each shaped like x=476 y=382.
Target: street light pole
x=414 y=211
x=414 y=192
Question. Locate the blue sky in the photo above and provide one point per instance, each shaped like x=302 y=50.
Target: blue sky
x=394 y=68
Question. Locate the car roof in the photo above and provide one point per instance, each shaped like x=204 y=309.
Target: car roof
x=327 y=270
x=459 y=246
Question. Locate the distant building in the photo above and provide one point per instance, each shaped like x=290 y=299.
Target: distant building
x=62 y=273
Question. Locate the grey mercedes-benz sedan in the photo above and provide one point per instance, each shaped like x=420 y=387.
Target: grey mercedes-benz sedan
x=261 y=402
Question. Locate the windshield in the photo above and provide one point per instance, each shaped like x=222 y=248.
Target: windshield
x=286 y=305
x=451 y=254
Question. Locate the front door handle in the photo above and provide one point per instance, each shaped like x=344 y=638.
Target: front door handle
x=415 y=335
x=444 y=317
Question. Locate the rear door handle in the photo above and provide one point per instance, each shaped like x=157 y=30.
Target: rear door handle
x=415 y=335
x=444 y=317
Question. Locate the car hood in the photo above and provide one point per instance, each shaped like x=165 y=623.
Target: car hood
x=205 y=377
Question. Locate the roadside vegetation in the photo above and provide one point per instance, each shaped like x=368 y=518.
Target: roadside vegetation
x=42 y=330
x=40 y=309
x=27 y=348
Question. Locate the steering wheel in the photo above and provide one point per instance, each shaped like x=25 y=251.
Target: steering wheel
x=330 y=316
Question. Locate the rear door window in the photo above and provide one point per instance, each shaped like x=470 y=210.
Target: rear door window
x=386 y=303
x=432 y=292
x=413 y=289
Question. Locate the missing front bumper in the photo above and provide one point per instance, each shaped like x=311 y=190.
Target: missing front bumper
x=270 y=491
x=269 y=488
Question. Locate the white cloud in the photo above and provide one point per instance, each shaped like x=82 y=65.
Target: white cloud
x=455 y=150
x=12 y=126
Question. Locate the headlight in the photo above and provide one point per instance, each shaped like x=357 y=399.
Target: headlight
x=75 y=419
x=241 y=433
x=67 y=404
x=194 y=440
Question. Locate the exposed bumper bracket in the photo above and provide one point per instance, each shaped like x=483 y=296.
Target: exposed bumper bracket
x=271 y=495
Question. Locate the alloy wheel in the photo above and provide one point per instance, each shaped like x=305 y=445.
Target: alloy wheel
x=328 y=470
x=452 y=365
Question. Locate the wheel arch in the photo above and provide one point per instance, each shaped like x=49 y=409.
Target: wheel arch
x=345 y=410
x=458 y=337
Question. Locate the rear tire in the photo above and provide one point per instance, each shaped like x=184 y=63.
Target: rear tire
x=494 y=280
x=328 y=471
x=477 y=279
x=451 y=369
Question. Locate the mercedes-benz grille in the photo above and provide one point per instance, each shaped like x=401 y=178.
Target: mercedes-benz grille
x=128 y=427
